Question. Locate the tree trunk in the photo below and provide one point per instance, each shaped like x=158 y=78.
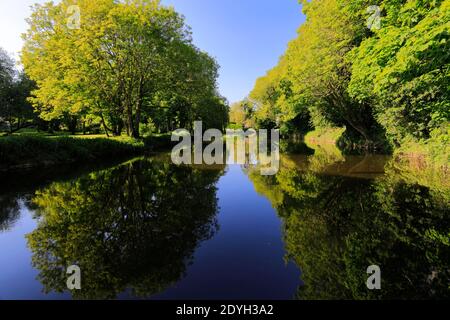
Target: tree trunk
x=104 y=125
x=73 y=121
x=136 y=133
x=130 y=126
x=119 y=127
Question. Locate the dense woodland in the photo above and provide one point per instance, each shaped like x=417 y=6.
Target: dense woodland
x=381 y=72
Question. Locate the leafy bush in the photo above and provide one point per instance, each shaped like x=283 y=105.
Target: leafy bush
x=148 y=128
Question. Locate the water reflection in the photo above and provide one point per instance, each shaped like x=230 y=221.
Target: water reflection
x=341 y=215
x=133 y=227
x=9 y=211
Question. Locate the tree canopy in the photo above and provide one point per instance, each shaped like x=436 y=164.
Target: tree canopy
x=128 y=63
x=387 y=81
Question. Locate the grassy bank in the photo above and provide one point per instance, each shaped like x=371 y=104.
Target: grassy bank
x=26 y=151
x=432 y=154
x=324 y=136
x=431 y=177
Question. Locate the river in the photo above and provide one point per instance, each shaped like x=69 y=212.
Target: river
x=148 y=229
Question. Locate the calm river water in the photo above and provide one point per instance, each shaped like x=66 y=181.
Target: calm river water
x=152 y=230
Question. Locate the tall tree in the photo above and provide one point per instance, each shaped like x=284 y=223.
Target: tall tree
x=123 y=56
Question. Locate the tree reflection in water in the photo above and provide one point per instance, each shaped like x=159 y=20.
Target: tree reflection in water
x=134 y=227
x=9 y=211
x=339 y=219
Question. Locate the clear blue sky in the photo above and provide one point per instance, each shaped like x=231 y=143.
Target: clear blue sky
x=245 y=36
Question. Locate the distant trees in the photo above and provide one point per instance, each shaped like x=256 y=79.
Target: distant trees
x=6 y=70
x=390 y=81
x=129 y=62
x=15 y=87
x=241 y=114
x=237 y=114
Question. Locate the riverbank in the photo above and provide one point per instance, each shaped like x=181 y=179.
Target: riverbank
x=22 y=152
x=433 y=154
x=329 y=136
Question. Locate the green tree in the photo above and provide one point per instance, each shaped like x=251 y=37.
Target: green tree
x=387 y=80
x=123 y=56
x=403 y=69
x=242 y=114
x=309 y=84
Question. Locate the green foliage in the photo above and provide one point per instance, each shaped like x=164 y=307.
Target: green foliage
x=324 y=136
x=148 y=128
x=311 y=78
x=234 y=126
x=159 y=142
x=16 y=112
x=388 y=84
x=403 y=71
x=241 y=114
x=6 y=71
x=432 y=154
x=128 y=62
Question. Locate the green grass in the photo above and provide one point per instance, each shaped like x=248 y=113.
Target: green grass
x=324 y=136
x=34 y=150
x=29 y=148
x=234 y=126
x=433 y=153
